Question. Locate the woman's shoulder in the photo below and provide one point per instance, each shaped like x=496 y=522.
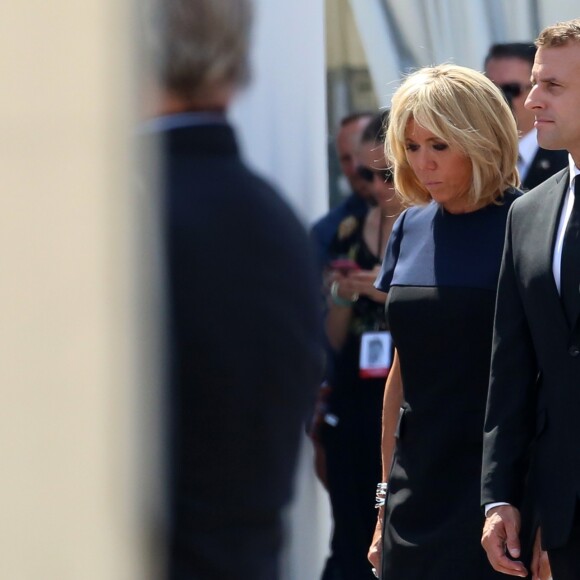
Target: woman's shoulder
x=413 y=223
x=420 y=212
x=511 y=194
x=417 y=215
x=503 y=203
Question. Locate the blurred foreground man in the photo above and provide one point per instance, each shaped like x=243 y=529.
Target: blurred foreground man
x=243 y=296
x=534 y=396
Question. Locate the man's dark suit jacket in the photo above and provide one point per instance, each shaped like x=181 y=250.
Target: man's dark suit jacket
x=544 y=164
x=243 y=305
x=534 y=394
x=324 y=230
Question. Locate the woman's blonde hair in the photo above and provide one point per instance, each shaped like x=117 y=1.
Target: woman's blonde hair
x=468 y=112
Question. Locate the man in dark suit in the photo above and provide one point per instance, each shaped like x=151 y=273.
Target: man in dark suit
x=534 y=396
x=356 y=206
x=357 y=203
x=509 y=66
x=243 y=308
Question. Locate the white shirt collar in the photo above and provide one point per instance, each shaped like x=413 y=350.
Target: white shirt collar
x=574 y=171
x=528 y=146
x=179 y=120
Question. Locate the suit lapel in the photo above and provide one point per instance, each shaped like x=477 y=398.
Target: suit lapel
x=554 y=201
x=559 y=192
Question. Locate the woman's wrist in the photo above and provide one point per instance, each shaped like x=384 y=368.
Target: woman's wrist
x=381 y=494
x=338 y=300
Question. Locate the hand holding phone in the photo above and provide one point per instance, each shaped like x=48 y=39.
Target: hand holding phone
x=344 y=265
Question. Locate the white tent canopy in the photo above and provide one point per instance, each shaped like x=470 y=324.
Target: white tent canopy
x=398 y=36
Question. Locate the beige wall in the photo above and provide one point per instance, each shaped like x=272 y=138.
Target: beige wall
x=71 y=386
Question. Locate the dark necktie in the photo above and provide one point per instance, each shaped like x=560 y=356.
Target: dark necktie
x=570 y=267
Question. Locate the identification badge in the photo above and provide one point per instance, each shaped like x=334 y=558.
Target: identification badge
x=376 y=354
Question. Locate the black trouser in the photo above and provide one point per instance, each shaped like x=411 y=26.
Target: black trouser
x=565 y=561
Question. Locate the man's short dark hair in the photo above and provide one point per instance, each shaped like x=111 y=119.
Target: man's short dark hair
x=352 y=117
x=523 y=50
x=376 y=130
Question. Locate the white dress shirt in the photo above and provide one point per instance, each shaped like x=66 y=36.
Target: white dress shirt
x=527 y=148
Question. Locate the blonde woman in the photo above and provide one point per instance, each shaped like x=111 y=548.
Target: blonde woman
x=454 y=145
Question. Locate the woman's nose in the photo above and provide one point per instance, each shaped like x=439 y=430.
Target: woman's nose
x=426 y=160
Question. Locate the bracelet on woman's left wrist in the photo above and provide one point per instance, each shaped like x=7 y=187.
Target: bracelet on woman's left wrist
x=381 y=495
x=337 y=299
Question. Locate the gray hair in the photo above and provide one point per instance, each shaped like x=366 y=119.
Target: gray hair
x=201 y=45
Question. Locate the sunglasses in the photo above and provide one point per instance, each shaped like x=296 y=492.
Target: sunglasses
x=513 y=90
x=368 y=174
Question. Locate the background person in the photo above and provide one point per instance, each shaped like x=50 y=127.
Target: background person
x=350 y=433
x=509 y=66
x=354 y=207
x=453 y=142
x=535 y=372
x=244 y=357
x=357 y=203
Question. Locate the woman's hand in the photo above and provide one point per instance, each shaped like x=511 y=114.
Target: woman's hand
x=347 y=286
x=540 y=563
x=375 y=551
x=365 y=280
x=345 y=290
x=339 y=300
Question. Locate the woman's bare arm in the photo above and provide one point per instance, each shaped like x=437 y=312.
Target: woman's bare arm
x=392 y=400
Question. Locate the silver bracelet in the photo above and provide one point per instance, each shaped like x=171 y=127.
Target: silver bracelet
x=341 y=301
x=381 y=494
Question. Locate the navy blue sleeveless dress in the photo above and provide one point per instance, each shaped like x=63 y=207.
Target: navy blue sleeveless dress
x=441 y=272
